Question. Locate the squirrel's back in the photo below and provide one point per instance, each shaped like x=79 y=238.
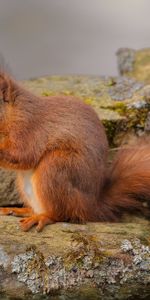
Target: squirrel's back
x=71 y=121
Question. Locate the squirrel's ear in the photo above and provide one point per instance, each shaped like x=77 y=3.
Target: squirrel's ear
x=6 y=84
x=6 y=89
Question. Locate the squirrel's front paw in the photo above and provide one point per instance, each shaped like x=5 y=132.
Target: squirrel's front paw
x=40 y=220
x=16 y=211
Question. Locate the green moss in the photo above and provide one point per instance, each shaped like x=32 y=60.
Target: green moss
x=145 y=238
x=48 y=93
x=89 y=101
x=137 y=119
x=37 y=262
x=111 y=128
x=120 y=107
x=68 y=93
x=110 y=81
x=84 y=246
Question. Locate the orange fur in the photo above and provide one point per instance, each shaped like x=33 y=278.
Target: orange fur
x=59 y=148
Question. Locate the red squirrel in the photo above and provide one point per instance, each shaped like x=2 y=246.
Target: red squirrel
x=59 y=149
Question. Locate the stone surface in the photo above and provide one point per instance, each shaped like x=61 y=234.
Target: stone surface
x=66 y=256
x=8 y=191
x=135 y=64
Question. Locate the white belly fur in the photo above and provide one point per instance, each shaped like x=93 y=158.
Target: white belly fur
x=29 y=191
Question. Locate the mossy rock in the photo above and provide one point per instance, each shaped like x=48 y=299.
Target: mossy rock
x=135 y=64
x=68 y=256
x=121 y=103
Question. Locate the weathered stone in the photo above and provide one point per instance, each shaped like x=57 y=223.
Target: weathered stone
x=121 y=103
x=66 y=256
x=8 y=192
x=147 y=123
x=126 y=59
x=135 y=64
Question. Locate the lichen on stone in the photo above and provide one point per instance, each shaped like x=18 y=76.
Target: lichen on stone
x=87 y=261
x=31 y=270
x=123 y=88
x=140 y=255
x=4 y=258
x=126 y=246
x=135 y=64
x=125 y=58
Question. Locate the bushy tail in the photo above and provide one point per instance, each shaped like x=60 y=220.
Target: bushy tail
x=127 y=187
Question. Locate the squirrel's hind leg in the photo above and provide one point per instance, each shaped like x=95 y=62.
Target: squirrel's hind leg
x=32 y=193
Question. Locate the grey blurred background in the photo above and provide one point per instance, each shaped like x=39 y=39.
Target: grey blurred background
x=39 y=37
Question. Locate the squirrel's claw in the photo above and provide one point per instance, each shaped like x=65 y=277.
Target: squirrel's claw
x=41 y=220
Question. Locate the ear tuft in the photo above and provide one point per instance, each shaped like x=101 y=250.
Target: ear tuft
x=4 y=66
x=6 y=84
x=5 y=88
